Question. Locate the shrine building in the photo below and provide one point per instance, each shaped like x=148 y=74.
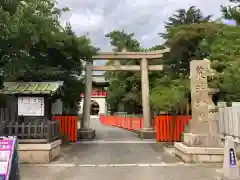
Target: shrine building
x=98 y=99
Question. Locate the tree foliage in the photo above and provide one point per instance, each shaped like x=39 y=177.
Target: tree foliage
x=124 y=86
x=232 y=12
x=191 y=36
x=183 y=17
x=225 y=53
x=34 y=46
x=170 y=95
x=184 y=36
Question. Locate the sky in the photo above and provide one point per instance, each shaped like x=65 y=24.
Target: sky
x=143 y=17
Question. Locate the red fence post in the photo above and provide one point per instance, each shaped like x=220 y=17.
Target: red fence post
x=163 y=127
x=130 y=123
x=68 y=126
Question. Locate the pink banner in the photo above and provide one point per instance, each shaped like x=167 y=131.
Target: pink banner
x=6 y=151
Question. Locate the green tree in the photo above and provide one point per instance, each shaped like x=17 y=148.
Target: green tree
x=120 y=40
x=230 y=84
x=190 y=35
x=189 y=42
x=218 y=43
x=170 y=94
x=183 y=16
x=177 y=62
x=232 y=12
x=124 y=86
x=225 y=53
x=35 y=47
x=185 y=36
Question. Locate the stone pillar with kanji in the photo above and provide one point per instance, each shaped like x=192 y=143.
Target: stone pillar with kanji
x=202 y=143
x=203 y=122
x=203 y=108
x=199 y=97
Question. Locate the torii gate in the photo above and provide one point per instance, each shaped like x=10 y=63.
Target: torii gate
x=85 y=132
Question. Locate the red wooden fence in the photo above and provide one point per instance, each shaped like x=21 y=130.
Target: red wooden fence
x=130 y=123
x=68 y=127
x=164 y=127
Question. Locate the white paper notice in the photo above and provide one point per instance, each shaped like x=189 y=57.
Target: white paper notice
x=31 y=106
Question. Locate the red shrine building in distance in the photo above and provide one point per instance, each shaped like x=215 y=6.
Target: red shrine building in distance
x=99 y=94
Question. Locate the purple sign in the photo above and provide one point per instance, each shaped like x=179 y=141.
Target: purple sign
x=6 y=152
x=232 y=160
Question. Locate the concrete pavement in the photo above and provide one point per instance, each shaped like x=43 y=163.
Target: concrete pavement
x=116 y=154
x=118 y=173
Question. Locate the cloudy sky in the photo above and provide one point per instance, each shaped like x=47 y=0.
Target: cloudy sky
x=143 y=17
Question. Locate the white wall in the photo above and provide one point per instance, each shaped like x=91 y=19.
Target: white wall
x=101 y=102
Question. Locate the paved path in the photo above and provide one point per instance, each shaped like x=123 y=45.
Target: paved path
x=111 y=133
x=116 y=154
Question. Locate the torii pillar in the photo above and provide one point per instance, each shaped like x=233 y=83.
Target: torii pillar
x=147 y=132
x=85 y=131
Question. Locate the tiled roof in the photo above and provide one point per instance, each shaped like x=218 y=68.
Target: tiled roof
x=31 y=87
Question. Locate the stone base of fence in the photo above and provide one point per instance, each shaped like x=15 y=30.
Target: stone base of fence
x=39 y=153
x=192 y=151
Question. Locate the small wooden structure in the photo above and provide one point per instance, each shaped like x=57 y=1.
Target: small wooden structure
x=26 y=111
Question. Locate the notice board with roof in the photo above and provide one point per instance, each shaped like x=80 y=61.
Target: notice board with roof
x=32 y=100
